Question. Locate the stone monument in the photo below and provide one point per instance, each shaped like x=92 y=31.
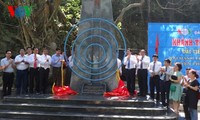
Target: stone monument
x=94 y=50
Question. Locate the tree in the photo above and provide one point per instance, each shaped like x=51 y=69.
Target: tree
x=51 y=20
x=134 y=16
x=47 y=26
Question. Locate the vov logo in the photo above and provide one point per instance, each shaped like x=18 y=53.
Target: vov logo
x=20 y=11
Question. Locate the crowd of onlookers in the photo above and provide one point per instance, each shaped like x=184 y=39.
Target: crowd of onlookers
x=172 y=87
x=31 y=70
x=32 y=77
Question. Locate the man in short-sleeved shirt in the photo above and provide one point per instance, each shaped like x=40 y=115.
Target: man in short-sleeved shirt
x=22 y=72
x=8 y=73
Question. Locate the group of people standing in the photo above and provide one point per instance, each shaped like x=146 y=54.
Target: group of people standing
x=32 y=71
x=168 y=82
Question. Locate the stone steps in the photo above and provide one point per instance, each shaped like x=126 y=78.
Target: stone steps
x=81 y=108
x=85 y=109
x=76 y=116
x=79 y=100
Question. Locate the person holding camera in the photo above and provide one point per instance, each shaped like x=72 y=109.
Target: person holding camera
x=165 y=73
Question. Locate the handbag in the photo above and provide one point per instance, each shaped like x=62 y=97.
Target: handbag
x=172 y=88
x=174 y=77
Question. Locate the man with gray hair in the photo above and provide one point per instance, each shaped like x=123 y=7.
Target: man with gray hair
x=143 y=62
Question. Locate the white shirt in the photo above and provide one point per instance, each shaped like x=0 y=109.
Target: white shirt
x=168 y=73
x=5 y=62
x=158 y=66
x=145 y=62
x=45 y=61
x=133 y=62
x=28 y=55
x=71 y=64
x=21 y=65
x=31 y=60
x=119 y=63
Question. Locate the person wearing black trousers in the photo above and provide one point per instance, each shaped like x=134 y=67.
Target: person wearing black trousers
x=154 y=69
x=7 y=64
x=192 y=93
x=130 y=62
x=34 y=65
x=21 y=73
x=142 y=73
x=165 y=74
x=184 y=100
x=45 y=62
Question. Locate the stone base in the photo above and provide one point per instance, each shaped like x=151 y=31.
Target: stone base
x=48 y=107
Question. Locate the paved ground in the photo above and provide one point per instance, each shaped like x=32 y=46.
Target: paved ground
x=182 y=116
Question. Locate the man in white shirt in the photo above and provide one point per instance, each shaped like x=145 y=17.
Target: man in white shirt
x=29 y=52
x=165 y=74
x=142 y=73
x=2 y=67
x=22 y=72
x=34 y=65
x=130 y=62
x=8 y=73
x=154 y=69
x=119 y=63
x=68 y=70
x=45 y=62
x=70 y=61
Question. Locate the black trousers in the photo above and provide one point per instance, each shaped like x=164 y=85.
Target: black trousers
x=130 y=79
x=57 y=76
x=44 y=79
x=185 y=105
x=165 y=88
x=21 y=81
x=68 y=76
x=8 y=79
x=28 y=79
x=34 y=80
x=155 y=83
x=142 y=81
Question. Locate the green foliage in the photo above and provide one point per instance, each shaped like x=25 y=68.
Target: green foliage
x=72 y=11
x=119 y=25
